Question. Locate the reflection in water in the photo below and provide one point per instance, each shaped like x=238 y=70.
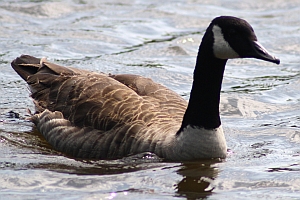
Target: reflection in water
x=101 y=167
x=197 y=179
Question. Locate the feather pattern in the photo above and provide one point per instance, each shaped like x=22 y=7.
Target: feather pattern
x=102 y=109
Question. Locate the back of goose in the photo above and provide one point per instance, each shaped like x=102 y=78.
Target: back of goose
x=94 y=115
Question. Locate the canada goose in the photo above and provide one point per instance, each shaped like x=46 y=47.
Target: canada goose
x=94 y=115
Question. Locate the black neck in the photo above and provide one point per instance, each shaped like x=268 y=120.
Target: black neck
x=203 y=107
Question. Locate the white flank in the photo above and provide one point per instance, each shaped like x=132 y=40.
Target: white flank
x=196 y=143
x=221 y=48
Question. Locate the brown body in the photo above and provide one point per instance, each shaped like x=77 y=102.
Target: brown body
x=117 y=115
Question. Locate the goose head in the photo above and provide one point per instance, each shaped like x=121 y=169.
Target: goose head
x=225 y=38
x=232 y=37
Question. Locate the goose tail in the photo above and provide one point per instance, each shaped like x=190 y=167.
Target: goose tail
x=26 y=65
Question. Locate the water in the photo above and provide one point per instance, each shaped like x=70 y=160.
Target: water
x=158 y=39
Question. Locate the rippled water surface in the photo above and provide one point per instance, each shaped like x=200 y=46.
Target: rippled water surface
x=158 y=39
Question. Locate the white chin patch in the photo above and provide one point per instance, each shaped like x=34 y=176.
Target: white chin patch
x=221 y=47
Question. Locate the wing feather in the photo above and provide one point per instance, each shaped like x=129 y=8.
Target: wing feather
x=111 y=108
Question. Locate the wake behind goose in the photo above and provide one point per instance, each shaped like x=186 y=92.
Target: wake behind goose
x=94 y=115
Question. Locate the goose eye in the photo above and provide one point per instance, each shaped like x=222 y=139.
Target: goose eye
x=231 y=32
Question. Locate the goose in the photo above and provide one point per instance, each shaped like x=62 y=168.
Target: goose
x=103 y=116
